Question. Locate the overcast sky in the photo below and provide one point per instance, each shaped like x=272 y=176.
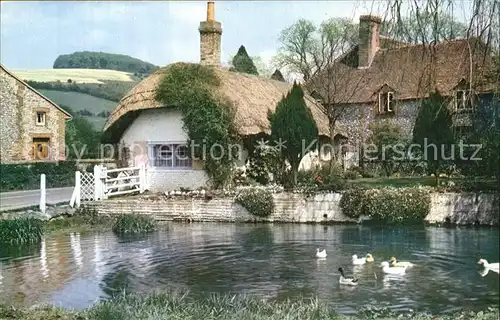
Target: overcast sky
x=33 y=34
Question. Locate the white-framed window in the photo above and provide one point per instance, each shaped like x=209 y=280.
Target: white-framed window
x=462 y=100
x=40 y=118
x=170 y=155
x=385 y=102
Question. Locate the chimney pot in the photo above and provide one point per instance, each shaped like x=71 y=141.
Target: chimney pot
x=210 y=11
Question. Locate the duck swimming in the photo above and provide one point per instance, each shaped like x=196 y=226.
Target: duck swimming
x=386 y=268
x=395 y=263
x=492 y=266
x=345 y=280
x=320 y=254
x=359 y=261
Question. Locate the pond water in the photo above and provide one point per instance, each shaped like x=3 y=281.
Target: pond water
x=271 y=261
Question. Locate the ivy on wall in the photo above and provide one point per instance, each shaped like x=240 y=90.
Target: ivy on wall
x=208 y=118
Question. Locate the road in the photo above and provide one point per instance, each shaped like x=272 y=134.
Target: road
x=23 y=199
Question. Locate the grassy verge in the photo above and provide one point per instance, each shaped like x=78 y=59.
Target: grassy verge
x=220 y=307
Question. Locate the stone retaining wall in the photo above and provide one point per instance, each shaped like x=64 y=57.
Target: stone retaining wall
x=466 y=208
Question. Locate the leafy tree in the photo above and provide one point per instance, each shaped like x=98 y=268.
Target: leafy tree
x=82 y=140
x=433 y=132
x=293 y=125
x=243 y=63
x=277 y=75
x=386 y=137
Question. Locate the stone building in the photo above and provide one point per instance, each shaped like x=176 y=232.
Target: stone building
x=32 y=127
x=383 y=79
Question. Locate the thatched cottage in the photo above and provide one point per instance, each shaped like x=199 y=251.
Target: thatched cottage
x=32 y=127
x=380 y=78
x=140 y=125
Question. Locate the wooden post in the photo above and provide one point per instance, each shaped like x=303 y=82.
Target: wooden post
x=142 y=178
x=43 y=195
x=78 y=188
x=97 y=182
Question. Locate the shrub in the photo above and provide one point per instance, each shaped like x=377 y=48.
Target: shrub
x=351 y=175
x=353 y=202
x=397 y=205
x=134 y=224
x=321 y=179
x=391 y=205
x=27 y=176
x=21 y=231
x=257 y=201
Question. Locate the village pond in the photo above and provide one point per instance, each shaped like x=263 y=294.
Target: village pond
x=271 y=261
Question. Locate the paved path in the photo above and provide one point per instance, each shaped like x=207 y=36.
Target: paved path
x=23 y=199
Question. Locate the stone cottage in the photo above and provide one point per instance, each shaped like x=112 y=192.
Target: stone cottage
x=32 y=127
x=380 y=78
x=152 y=134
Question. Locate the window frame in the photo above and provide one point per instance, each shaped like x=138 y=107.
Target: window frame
x=386 y=102
x=44 y=116
x=175 y=155
x=465 y=102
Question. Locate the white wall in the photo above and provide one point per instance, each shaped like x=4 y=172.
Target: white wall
x=160 y=125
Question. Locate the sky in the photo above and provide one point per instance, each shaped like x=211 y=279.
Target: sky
x=34 y=34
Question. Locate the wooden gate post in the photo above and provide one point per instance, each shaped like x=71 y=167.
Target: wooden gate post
x=43 y=195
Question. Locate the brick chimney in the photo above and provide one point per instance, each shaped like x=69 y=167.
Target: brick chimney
x=369 y=39
x=210 y=38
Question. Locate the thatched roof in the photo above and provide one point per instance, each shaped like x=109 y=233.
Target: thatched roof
x=411 y=71
x=252 y=96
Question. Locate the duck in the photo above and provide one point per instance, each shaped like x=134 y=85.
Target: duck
x=395 y=263
x=386 y=268
x=345 y=280
x=320 y=254
x=359 y=261
x=492 y=266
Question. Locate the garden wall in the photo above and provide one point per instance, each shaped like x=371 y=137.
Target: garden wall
x=464 y=208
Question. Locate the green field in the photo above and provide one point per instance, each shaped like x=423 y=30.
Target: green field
x=76 y=75
x=80 y=101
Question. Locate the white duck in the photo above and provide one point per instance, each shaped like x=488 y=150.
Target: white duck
x=492 y=266
x=345 y=280
x=359 y=261
x=386 y=268
x=320 y=254
x=395 y=263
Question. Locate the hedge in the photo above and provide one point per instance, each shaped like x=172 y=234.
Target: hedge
x=26 y=176
x=257 y=201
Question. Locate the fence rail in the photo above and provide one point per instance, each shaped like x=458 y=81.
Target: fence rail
x=104 y=183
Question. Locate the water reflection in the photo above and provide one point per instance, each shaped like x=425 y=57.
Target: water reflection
x=272 y=261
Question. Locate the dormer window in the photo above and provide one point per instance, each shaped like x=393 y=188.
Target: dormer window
x=462 y=100
x=385 y=102
x=40 y=118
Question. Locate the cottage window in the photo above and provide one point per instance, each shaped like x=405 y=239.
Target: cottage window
x=170 y=155
x=386 y=102
x=462 y=100
x=40 y=118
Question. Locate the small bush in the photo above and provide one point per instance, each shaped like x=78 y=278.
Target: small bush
x=258 y=202
x=391 y=205
x=398 y=205
x=353 y=202
x=134 y=224
x=351 y=175
x=21 y=231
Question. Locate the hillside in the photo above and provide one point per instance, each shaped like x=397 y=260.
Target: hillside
x=83 y=104
x=103 y=60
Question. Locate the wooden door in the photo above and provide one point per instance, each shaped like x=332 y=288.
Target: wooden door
x=41 y=148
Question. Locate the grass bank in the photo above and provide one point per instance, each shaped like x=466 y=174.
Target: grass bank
x=221 y=307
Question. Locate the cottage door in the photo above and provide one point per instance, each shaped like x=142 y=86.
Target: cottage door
x=41 y=148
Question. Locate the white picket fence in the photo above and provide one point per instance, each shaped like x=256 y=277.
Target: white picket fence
x=104 y=183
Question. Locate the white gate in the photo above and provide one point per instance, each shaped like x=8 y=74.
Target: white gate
x=104 y=183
